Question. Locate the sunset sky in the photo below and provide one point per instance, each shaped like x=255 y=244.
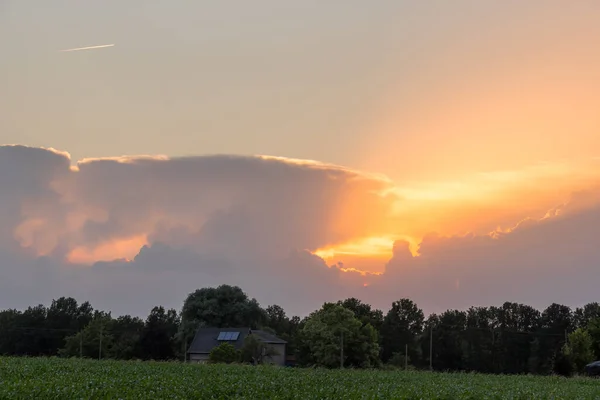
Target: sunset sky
x=305 y=151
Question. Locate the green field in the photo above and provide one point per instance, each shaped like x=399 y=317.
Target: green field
x=34 y=378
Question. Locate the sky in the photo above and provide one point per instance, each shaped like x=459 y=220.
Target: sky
x=305 y=151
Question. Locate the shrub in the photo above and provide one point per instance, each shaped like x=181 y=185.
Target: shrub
x=225 y=353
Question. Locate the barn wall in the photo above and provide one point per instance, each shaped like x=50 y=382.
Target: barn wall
x=198 y=358
x=279 y=358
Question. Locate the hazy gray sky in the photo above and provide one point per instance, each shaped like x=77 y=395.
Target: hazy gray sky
x=193 y=77
x=366 y=84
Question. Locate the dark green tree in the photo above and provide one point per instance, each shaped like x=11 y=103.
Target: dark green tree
x=579 y=349
x=255 y=351
x=514 y=326
x=478 y=341
x=277 y=320
x=223 y=307
x=364 y=312
x=93 y=341
x=127 y=332
x=593 y=329
x=333 y=336
x=225 y=353
x=9 y=332
x=448 y=340
x=159 y=336
x=402 y=326
x=65 y=317
x=556 y=323
x=583 y=315
x=32 y=335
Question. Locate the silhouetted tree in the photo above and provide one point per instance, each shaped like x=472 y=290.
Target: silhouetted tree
x=333 y=328
x=583 y=316
x=223 y=306
x=158 y=337
x=402 y=325
x=579 y=349
x=94 y=341
x=364 y=312
x=511 y=338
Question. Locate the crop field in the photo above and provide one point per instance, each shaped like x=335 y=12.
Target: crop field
x=35 y=378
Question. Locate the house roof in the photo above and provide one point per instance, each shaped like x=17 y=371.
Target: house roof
x=268 y=338
x=207 y=338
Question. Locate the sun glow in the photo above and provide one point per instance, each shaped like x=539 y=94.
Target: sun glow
x=364 y=256
x=491 y=203
x=373 y=246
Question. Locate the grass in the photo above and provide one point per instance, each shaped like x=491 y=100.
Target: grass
x=37 y=378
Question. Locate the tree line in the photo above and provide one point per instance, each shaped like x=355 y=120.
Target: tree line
x=512 y=338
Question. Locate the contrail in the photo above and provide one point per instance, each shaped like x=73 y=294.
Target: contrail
x=90 y=47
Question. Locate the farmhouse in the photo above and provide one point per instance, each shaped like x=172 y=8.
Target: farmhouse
x=207 y=339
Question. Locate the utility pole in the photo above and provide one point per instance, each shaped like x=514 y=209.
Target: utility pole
x=493 y=350
x=342 y=350
x=431 y=348
x=100 y=345
x=405 y=357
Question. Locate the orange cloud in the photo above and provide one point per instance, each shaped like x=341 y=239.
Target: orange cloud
x=108 y=208
x=245 y=220
x=364 y=255
x=108 y=251
x=482 y=204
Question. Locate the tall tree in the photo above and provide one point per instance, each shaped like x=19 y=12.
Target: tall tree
x=478 y=354
x=9 y=332
x=448 y=340
x=33 y=336
x=284 y=327
x=127 y=333
x=593 y=328
x=277 y=320
x=401 y=327
x=364 y=312
x=224 y=306
x=556 y=323
x=583 y=315
x=158 y=337
x=334 y=336
x=514 y=325
x=66 y=317
x=511 y=338
x=579 y=349
x=94 y=341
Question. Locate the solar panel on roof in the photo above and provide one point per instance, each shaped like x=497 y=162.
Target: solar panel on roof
x=228 y=336
x=224 y=336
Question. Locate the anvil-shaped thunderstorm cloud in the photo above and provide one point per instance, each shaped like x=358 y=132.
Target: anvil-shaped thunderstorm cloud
x=133 y=232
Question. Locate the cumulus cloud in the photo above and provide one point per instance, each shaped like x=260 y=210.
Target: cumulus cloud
x=229 y=217
x=554 y=259
x=128 y=233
